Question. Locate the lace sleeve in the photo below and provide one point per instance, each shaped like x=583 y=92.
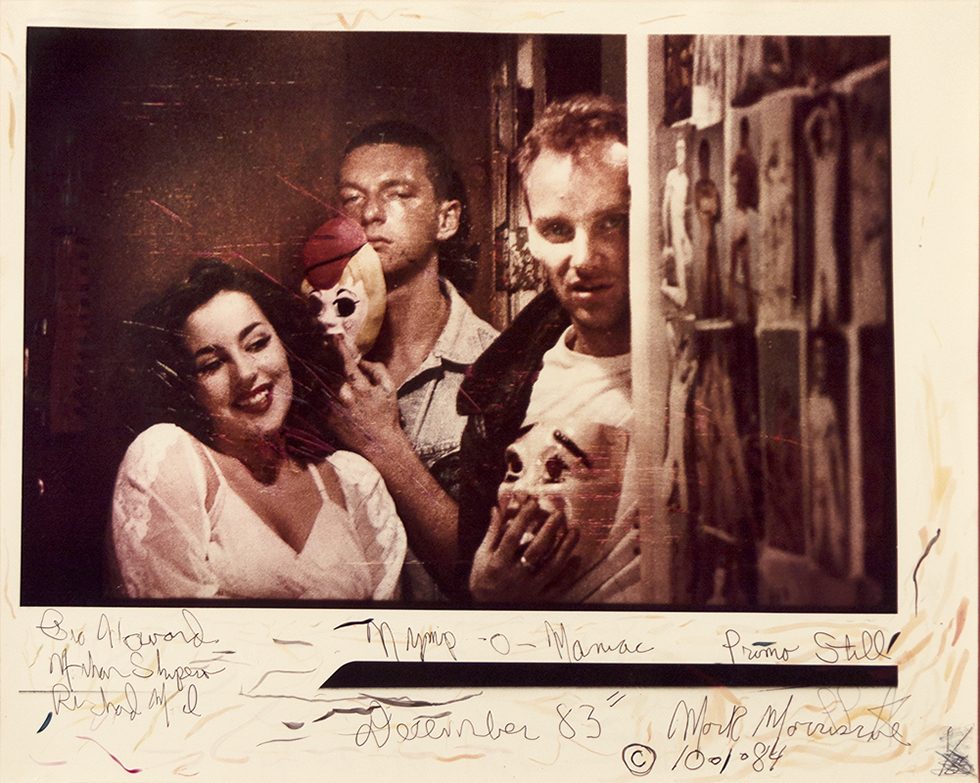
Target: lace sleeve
x=375 y=520
x=160 y=528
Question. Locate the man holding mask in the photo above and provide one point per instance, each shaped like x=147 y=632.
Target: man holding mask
x=549 y=403
x=398 y=407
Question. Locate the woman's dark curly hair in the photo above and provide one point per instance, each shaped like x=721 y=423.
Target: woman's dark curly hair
x=160 y=379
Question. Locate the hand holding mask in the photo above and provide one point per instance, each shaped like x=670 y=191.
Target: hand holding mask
x=573 y=467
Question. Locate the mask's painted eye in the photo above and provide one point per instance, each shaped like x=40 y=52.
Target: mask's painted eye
x=515 y=467
x=554 y=466
x=345 y=306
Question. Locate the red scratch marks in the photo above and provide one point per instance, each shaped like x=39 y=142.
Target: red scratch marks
x=304 y=192
x=247 y=260
x=960 y=620
x=461 y=756
x=256 y=267
x=130 y=771
x=170 y=213
x=470 y=401
x=271 y=278
x=783 y=440
x=247 y=245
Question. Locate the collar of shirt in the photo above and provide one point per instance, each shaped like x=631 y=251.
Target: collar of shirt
x=459 y=343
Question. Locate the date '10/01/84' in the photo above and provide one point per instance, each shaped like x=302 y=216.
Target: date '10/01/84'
x=639 y=759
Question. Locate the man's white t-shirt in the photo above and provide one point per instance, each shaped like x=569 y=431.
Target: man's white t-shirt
x=575 y=387
x=573 y=384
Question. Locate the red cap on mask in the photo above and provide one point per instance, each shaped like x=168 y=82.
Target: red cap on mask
x=327 y=252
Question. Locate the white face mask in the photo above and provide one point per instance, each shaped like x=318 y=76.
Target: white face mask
x=577 y=468
x=355 y=306
x=343 y=310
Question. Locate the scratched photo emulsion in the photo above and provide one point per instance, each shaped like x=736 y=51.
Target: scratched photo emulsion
x=330 y=319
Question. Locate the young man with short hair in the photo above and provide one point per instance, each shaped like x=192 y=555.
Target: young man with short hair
x=549 y=403
x=398 y=182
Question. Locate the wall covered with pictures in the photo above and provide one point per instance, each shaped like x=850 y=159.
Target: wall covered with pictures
x=771 y=191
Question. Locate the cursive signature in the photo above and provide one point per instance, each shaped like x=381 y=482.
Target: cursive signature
x=98 y=673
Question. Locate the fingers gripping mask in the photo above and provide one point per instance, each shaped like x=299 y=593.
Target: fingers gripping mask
x=577 y=468
x=343 y=273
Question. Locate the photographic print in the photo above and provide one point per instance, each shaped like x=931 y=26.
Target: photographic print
x=251 y=149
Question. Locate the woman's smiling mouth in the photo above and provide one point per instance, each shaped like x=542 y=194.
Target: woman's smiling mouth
x=257 y=401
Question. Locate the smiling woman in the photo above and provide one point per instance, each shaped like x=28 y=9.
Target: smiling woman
x=242 y=377
x=233 y=490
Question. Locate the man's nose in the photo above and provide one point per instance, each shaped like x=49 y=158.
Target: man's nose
x=373 y=211
x=584 y=250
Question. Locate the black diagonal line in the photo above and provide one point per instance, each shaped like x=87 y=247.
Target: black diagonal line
x=361 y=675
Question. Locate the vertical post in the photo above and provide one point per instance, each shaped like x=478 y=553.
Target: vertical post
x=645 y=100
x=854 y=454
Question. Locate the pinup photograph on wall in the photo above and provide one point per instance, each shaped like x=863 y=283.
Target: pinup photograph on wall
x=770 y=164
x=319 y=319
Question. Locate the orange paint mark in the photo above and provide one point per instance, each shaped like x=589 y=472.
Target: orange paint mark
x=942 y=475
x=48 y=763
x=914 y=651
x=12 y=127
x=350 y=25
x=960 y=620
x=11 y=63
x=954 y=683
x=730 y=697
x=909 y=629
x=941 y=647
